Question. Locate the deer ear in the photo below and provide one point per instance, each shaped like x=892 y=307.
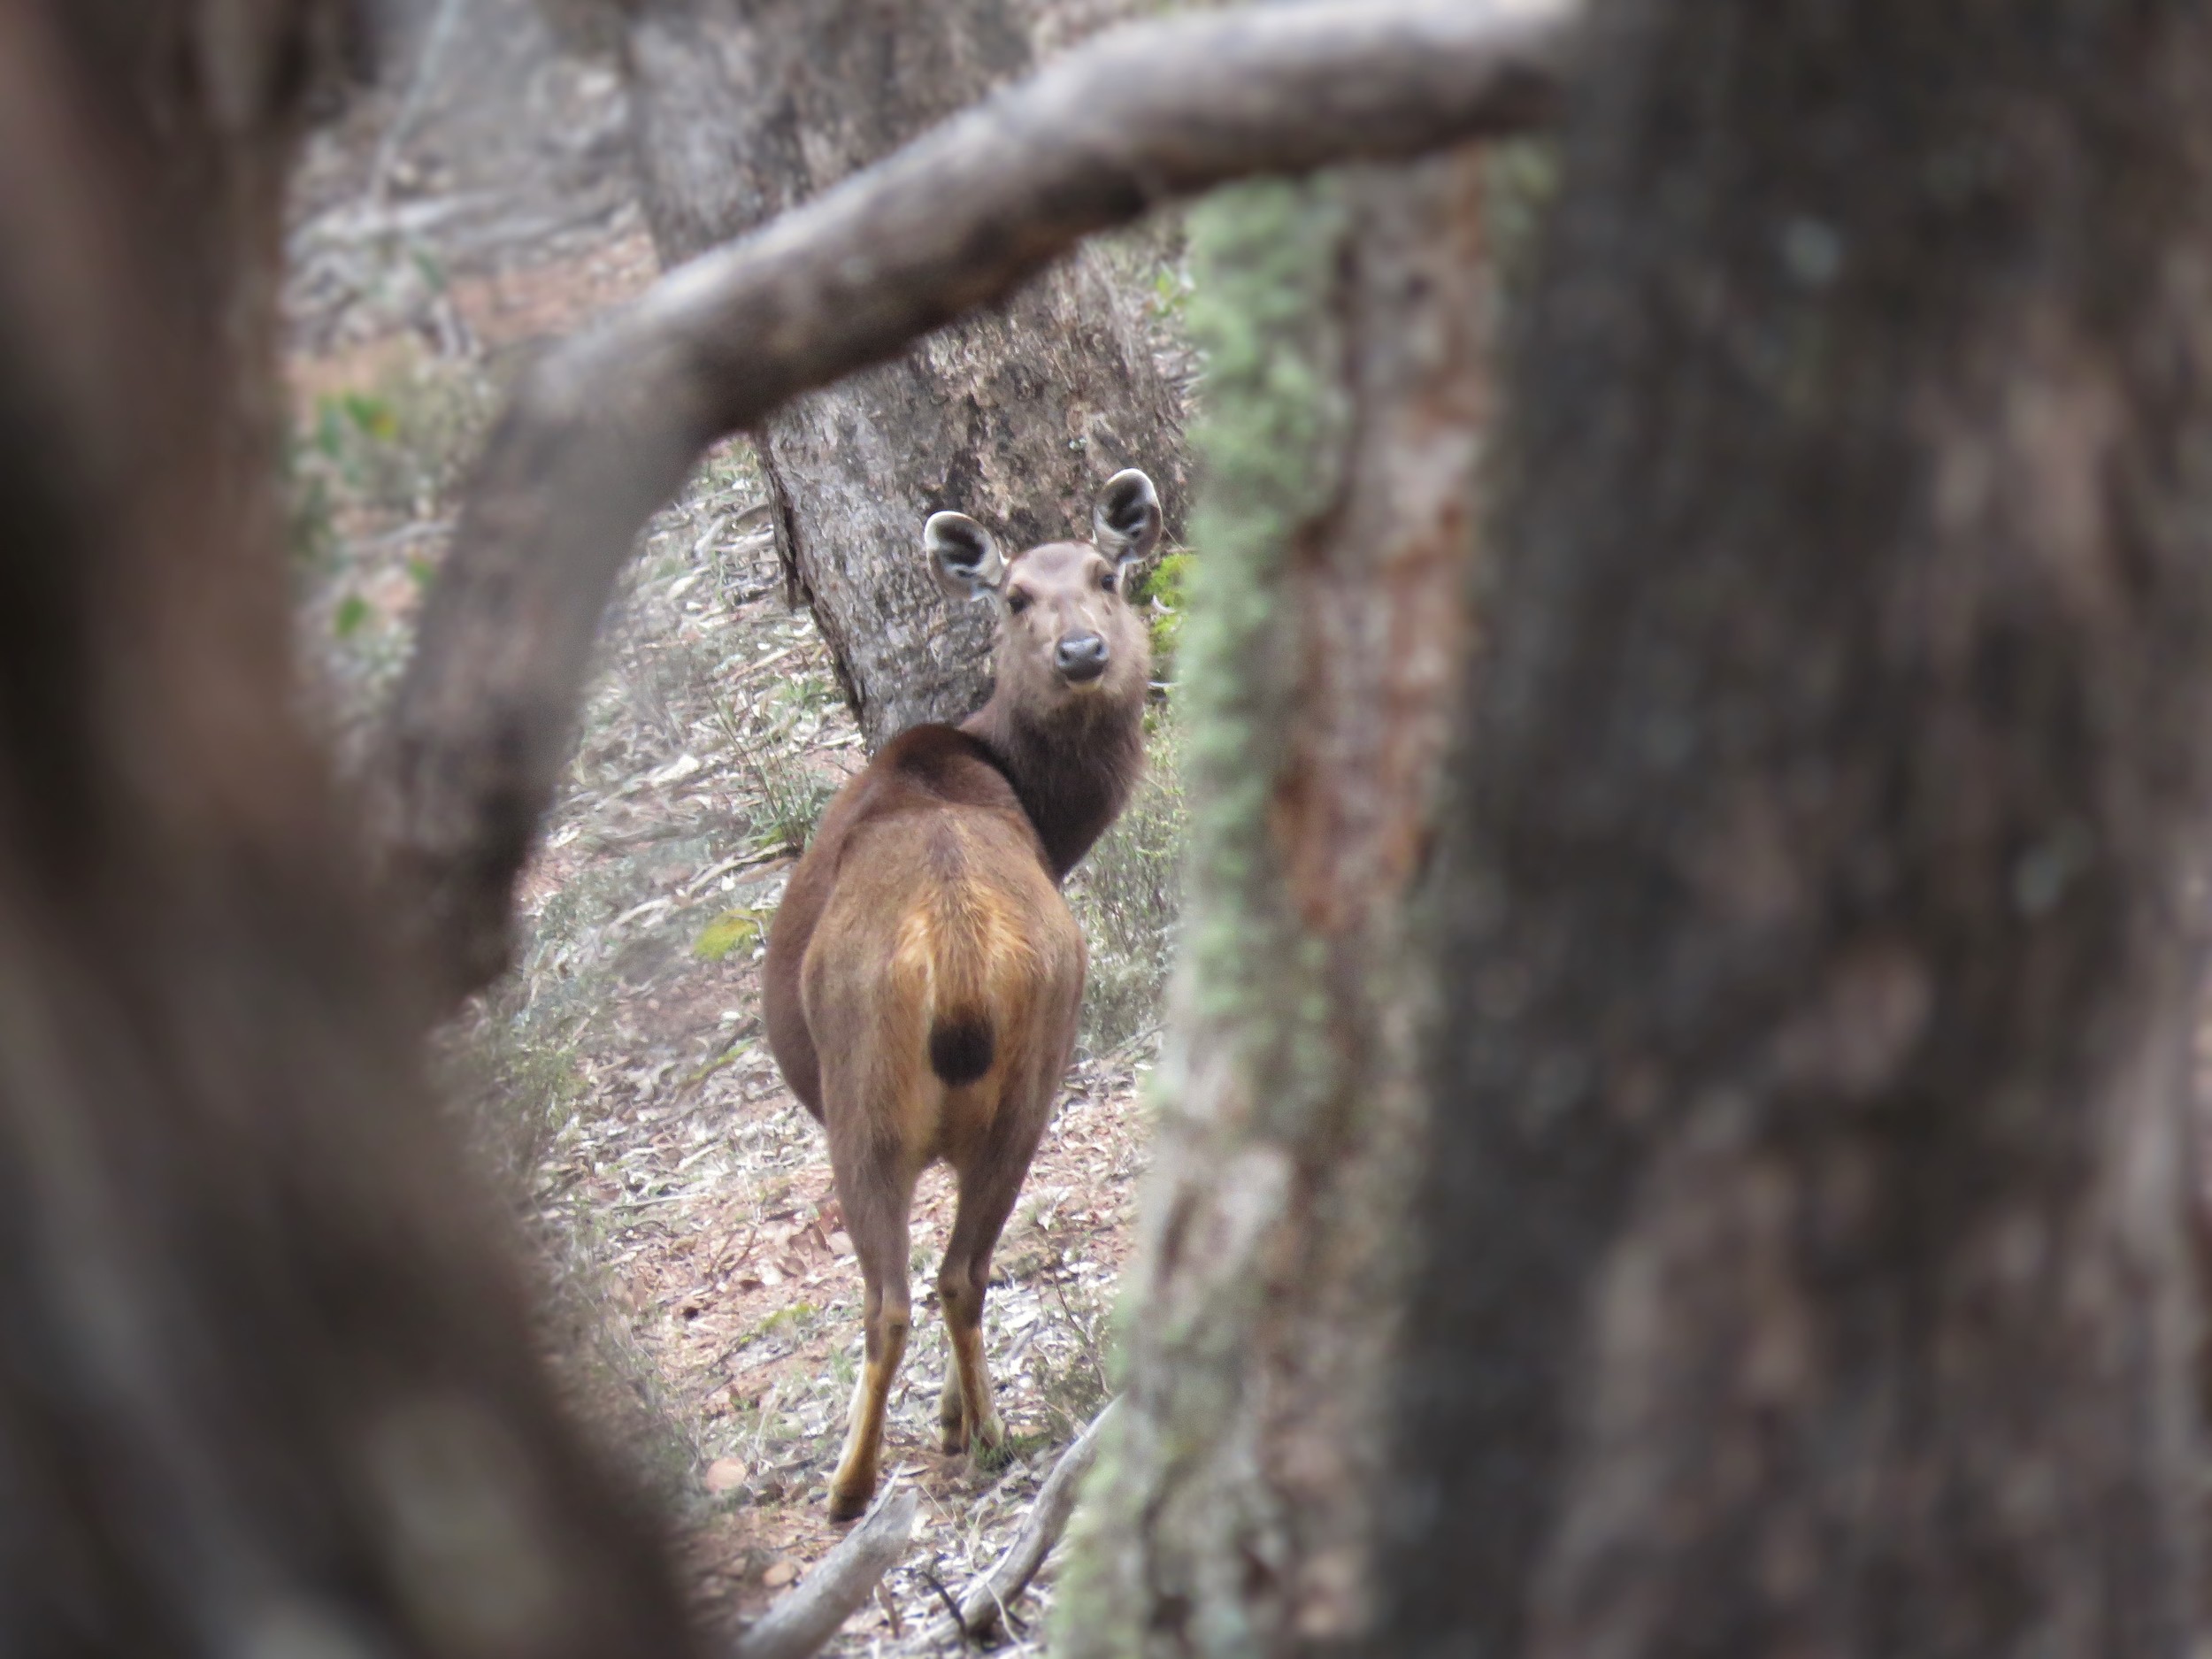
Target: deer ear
x=963 y=555
x=1126 y=523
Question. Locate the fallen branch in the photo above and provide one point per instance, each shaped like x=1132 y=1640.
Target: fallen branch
x=988 y=1597
x=604 y=431
x=801 y=1621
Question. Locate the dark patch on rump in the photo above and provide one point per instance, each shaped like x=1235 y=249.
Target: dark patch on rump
x=961 y=1048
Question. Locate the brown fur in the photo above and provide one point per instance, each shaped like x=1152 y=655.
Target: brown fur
x=925 y=976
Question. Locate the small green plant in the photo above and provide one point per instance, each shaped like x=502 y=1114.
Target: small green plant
x=1160 y=594
x=513 y=1081
x=793 y=1321
x=347 y=620
x=1074 y=1389
x=1128 y=896
x=733 y=930
x=802 y=695
x=1170 y=291
x=789 y=802
x=396 y=448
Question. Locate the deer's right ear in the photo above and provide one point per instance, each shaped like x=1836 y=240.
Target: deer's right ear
x=963 y=554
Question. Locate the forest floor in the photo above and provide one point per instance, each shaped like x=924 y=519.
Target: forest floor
x=702 y=1296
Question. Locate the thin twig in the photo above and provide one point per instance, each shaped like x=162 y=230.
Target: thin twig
x=956 y=1626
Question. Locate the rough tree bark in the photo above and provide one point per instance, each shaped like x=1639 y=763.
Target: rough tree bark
x=1805 y=1267
x=266 y=1384
x=1016 y=415
x=1236 y=1510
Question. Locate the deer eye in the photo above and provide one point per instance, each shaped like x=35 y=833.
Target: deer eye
x=1017 y=602
x=1108 y=582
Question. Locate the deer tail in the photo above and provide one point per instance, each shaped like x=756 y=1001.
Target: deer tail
x=962 y=1045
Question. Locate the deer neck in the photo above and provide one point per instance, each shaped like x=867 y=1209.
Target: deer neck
x=1073 y=771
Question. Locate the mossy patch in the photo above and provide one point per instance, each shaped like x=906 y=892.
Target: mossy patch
x=734 y=930
x=1161 y=596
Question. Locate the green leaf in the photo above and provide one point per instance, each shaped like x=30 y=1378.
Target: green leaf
x=373 y=415
x=1166 y=581
x=353 y=611
x=733 y=930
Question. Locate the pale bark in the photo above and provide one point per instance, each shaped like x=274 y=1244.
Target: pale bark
x=1237 y=1510
x=603 y=429
x=1805 y=1266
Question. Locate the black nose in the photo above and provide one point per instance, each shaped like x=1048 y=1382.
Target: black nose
x=1081 y=657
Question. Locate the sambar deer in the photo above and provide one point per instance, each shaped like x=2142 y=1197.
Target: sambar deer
x=924 y=973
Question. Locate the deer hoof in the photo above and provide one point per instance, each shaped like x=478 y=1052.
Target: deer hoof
x=850 y=1502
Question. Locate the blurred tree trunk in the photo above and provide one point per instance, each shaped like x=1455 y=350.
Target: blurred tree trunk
x=1236 y=1510
x=744 y=108
x=265 y=1385
x=1806 y=1268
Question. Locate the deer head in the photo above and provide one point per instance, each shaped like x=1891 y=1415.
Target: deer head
x=1067 y=636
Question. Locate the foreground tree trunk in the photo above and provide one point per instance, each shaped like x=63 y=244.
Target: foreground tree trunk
x=744 y=108
x=1805 y=1267
x=1236 y=1511
x=266 y=1384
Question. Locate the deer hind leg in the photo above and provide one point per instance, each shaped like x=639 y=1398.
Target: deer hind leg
x=875 y=1188
x=989 y=1185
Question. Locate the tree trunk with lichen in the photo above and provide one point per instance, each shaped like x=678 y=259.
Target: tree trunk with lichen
x=1236 y=1510
x=1015 y=416
x=1805 y=1266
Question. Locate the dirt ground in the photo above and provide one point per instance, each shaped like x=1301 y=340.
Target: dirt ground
x=702 y=1296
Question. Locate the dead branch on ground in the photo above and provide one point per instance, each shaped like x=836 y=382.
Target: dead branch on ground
x=986 y=1601
x=810 y=1614
x=604 y=429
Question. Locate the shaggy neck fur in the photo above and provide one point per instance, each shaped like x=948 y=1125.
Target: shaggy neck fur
x=1073 y=770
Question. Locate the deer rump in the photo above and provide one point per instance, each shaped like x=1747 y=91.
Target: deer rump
x=984 y=959
x=945 y=963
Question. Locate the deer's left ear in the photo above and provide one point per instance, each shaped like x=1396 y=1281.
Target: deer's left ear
x=1125 y=522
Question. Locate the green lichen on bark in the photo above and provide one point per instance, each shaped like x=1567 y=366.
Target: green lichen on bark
x=1178 y=1507
x=1277 y=415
